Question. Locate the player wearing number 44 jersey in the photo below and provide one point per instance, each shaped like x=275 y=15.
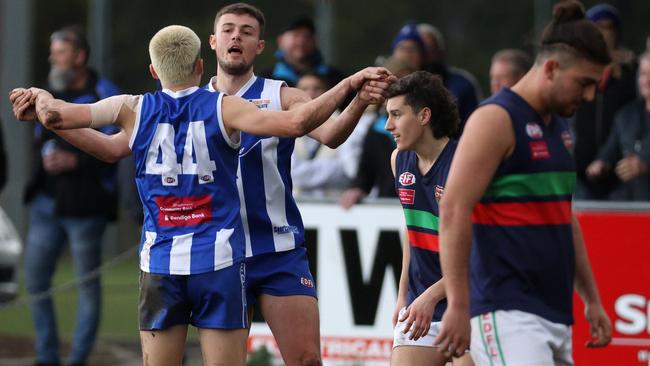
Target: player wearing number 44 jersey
x=421 y=116
x=279 y=281
x=185 y=143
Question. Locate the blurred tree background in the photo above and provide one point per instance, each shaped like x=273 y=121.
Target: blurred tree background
x=361 y=30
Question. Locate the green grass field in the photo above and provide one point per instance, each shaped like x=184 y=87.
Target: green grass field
x=119 y=303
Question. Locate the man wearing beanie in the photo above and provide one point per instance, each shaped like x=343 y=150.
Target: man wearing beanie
x=593 y=120
x=423 y=46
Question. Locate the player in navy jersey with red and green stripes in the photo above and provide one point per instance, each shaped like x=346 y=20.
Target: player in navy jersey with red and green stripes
x=421 y=116
x=509 y=196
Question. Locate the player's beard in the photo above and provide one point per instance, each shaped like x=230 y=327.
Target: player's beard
x=59 y=79
x=234 y=69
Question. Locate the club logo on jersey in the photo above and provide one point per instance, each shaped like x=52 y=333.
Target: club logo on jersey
x=306 y=282
x=539 y=150
x=261 y=103
x=170 y=180
x=438 y=191
x=207 y=178
x=406 y=179
x=406 y=196
x=534 y=131
x=184 y=211
x=568 y=140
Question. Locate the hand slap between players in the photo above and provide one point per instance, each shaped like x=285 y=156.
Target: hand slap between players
x=23 y=103
x=372 y=83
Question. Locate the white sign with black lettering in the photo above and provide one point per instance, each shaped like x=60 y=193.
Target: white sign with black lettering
x=358 y=260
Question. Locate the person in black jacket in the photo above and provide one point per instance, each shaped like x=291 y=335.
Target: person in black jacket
x=627 y=151
x=593 y=121
x=72 y=196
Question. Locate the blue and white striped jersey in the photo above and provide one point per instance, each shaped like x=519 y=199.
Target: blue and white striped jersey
x=270 y=216
x=186 y=168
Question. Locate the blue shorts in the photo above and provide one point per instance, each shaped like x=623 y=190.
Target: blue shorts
x=279 y=274
x=212 y=300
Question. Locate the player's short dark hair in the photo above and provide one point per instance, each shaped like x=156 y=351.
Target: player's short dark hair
x=423 y=89
x=74 y=35
x=240 y=9
x=570 y=32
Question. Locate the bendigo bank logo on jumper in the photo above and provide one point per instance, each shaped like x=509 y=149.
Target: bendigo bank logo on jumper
x=184 y=211
x=406 y=179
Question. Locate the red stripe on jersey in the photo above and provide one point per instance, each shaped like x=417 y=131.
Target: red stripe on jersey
x=425 y=241
x=523 y=213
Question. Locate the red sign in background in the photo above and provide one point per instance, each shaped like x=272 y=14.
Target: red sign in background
x=619 y=249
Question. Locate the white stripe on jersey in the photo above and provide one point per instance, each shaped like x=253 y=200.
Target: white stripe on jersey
x=145 y=253
x=243 y=213
x=223 y=249
x=234 y=140
x=180 y=255
x=274 y=188
x=136 y=125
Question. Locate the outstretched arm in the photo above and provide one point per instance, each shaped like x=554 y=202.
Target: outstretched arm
x=108 y=148
x=300 y=120
x=58 y=114
x=338 y=128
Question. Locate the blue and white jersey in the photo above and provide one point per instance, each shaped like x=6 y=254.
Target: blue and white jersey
x=270 y=216
x=186 y=168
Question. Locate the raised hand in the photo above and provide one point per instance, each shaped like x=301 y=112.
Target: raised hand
x=375 y=91
x=369 y=73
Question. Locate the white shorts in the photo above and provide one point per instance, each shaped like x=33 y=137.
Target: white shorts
x=402 y=339
x=517 y=338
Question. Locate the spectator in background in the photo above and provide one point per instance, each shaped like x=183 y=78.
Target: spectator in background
x=508 y=66
x=316 y=169
x=627 y=151
x=374 y=177
x=592 y=121
x=298 y=54
x=462 y=84
x=72 y=196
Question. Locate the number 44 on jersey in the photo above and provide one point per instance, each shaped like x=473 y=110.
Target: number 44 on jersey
x=196 y=157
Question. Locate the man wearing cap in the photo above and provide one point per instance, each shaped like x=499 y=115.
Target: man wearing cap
x=593 y=121
x=298 y=53
x=72 y=195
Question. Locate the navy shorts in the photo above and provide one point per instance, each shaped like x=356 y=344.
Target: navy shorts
x=279 y=274
x=212 y=300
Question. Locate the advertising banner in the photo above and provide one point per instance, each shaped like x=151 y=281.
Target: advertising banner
x=356 y=260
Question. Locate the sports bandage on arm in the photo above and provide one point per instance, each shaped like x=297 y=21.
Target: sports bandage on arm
x=106 y=110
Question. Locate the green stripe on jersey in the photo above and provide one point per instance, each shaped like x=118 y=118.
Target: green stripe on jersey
x=534 y=184
x=423 y=219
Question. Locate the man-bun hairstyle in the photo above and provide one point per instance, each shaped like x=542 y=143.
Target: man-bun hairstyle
x=569 y=31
